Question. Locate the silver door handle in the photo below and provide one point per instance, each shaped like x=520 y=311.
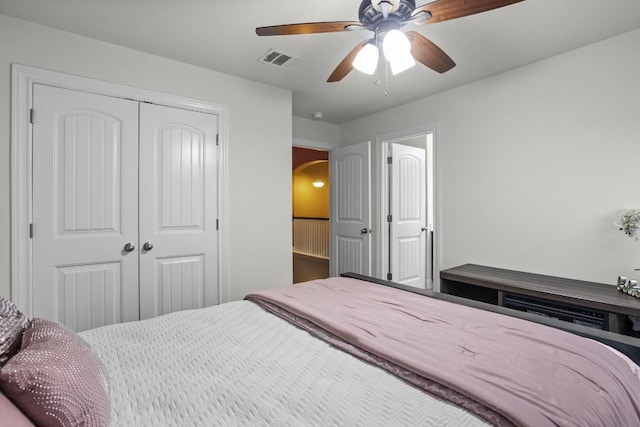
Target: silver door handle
x=365 y=231
x=147 y=246
x=424 y=229
x=129 y=247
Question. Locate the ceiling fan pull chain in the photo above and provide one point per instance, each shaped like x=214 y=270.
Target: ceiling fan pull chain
x=375 y=40
x=377 y=80
x=387 y=93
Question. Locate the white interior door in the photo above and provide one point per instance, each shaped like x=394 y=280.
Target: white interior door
x=408 y=231
x=85 y=208
x=178 y=210
x=351 y=209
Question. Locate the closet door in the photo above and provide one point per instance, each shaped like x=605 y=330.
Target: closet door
x=178 y=210
x=85 y=208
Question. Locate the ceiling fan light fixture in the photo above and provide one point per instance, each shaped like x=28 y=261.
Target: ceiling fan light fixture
x=402 y=63
x=397 y=50
x=366 y=60
x=395 y=44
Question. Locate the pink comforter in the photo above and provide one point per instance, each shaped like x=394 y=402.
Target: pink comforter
x=531 y=374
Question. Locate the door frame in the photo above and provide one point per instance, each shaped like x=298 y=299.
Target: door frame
x=313 y=144
x=324 y=146
x=22 y=80
x=381 y=180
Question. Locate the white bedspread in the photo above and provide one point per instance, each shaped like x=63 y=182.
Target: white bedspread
x=235 y=364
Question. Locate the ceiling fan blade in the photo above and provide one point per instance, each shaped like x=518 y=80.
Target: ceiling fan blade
x=427 y=53
x=444 y=10
x=346 y=65
x=307 y=28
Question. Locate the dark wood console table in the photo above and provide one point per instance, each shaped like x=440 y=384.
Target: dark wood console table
x=514 y=288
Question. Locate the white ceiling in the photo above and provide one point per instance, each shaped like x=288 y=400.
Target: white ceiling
x=220 y=35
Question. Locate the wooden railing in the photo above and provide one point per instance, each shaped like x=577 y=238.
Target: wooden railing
x=311 y=236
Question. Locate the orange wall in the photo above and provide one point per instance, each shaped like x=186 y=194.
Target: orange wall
x=310 y=201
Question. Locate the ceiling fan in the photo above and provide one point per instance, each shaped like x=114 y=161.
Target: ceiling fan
x=385 y=18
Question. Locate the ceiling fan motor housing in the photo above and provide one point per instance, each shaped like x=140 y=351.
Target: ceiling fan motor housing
x=370 y=17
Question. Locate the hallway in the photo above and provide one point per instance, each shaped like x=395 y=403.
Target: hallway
x=307 y=268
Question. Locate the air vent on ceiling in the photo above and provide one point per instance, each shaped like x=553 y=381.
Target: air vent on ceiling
x=279 y=59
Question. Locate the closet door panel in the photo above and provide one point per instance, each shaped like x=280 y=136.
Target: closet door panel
x=181 y=169
x=180 y=283
x=89 y=295
x=85 y=208
x=178 y=210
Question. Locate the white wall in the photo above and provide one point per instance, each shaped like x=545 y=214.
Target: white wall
x=536 y=163
x=313 y=130
x=260 y=126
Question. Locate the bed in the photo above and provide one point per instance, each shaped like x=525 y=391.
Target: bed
x=346 y=351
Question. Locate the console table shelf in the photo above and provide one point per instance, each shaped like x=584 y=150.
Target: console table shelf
x=490 y=285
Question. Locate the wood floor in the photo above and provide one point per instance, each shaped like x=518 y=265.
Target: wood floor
x=307 y=268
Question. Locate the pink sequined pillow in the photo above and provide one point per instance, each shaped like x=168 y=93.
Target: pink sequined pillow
x=56 y=379
x=12 y=324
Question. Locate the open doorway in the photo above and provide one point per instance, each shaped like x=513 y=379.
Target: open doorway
x=310 y=217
